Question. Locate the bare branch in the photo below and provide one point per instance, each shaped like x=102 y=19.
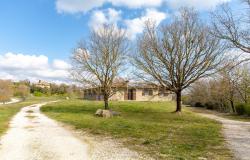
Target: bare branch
x=179 y=53
x=97 y=62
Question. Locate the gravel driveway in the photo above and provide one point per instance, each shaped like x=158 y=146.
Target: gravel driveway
x=34 y=136
x=237 y=135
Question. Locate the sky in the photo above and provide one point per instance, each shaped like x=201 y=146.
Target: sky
x=37 y=36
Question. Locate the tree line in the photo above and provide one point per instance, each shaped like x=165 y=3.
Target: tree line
x=174 y=55
x=9 y=89
x=228 y=91
x=24 y=89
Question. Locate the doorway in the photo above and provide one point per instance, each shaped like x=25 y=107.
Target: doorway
x=131 y=94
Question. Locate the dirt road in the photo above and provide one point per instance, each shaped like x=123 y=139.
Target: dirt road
x=237 y=135
x=33 y=136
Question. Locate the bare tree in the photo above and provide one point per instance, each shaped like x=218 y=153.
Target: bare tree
x=99 y=60
x=233 y=28
x=229 y=84
x=178 y=54
x=6 y=90
x=199 y=93
x=243 y=87
x=23 y=91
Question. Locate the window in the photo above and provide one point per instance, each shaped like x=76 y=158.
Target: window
x=147 y=92
x=163 y=93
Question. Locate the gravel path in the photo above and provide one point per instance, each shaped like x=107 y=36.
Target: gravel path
x=34 y=136
x=237 y=135
x=106 y=148
x=13 y=100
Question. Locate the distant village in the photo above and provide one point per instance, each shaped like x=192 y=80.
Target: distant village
x=25 y=88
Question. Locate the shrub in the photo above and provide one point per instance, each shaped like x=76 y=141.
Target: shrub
x=38 y=94
x=198 y=104
x=243 y=109
x=240 y=109
x=209 y=105
x=247 y=109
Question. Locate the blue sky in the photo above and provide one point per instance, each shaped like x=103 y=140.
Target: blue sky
x=47 y=30
x=35 y=27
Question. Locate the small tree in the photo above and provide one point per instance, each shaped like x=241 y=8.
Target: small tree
x=228 y=86
x=99 y=60
x=23 y=91
x=243 y=86
x=178 y=54
x=6 y=90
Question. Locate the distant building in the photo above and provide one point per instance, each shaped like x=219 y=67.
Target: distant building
x=42 y=84
x=132 y=91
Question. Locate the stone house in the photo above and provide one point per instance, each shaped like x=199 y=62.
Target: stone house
x=132 y=91
x=42 y=84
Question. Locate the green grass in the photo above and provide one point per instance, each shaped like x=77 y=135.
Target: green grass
x=9 y=110
x=148 y=127
x=237 y=117
x=231 y=116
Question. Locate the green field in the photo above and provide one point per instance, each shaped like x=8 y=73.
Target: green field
x=148 y=127
x=9 y=110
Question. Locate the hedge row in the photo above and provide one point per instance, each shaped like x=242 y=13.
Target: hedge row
x=243 y=109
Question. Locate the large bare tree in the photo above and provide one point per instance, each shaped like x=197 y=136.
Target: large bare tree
x=178 y=54
x=100 y=59
x=233 y=27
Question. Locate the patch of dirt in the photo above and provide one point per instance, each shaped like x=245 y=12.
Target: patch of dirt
x=30 y=116
x=29 y=111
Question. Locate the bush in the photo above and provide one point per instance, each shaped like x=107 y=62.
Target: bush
x=247 y=109
x=243 y=109
x=198 y=104
x=240 y=109
x=38 y=94
x=209 y=105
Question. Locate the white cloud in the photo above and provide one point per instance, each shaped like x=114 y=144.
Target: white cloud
x=20 y=61
x=132 y=26
x=198 y=4
x=77 y=6
x=20 y=66
x=83 y=6
x=60 y=64
x=137 y=3
x=135 y=26
x=107 y=16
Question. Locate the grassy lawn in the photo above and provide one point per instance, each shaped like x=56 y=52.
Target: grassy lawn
x=9 y=110
x=149 y=127
x=237 y=117
x=231 y=116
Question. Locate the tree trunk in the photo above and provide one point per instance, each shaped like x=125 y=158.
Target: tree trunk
x=245 y=98
x=106 y=102
x=178 y=101
x=232 y=105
